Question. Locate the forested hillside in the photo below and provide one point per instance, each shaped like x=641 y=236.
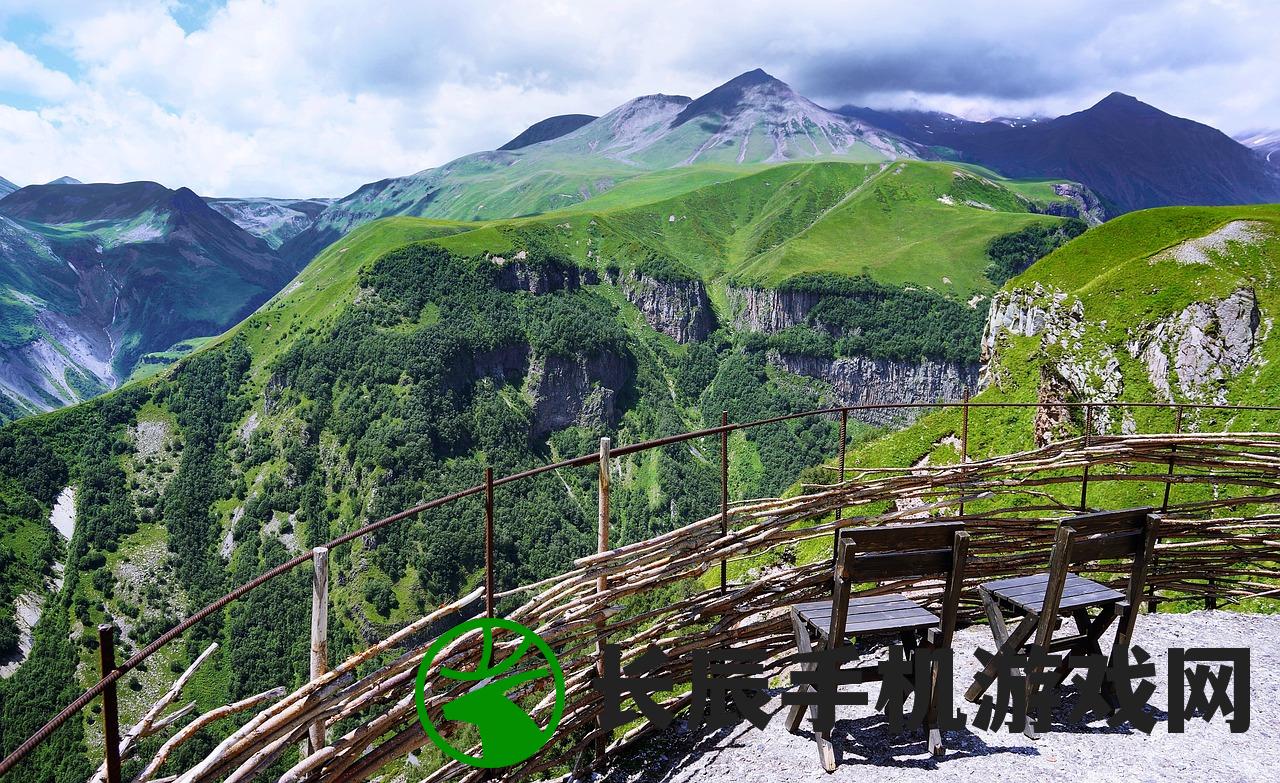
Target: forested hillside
x=413 y=353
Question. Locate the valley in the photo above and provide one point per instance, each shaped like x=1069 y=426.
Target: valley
x=95 y=277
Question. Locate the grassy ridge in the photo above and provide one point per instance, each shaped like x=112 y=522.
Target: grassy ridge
x=328 y=284
x=892 y=222
x=900 y=229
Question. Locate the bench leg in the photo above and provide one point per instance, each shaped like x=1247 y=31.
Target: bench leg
x=1092 y=628
x=1120 y=649
x=803 y=646
x=1029 y=728
x=934 y=734
x=826 y=751
x=995 y=617
x=1009 y=646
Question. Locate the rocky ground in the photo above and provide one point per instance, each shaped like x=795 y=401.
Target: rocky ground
x=1090 y=751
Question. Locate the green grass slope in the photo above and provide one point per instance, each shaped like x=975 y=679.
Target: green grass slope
x=922 y=223
x=1127 y=275
x=328 y=284
x=926 y=224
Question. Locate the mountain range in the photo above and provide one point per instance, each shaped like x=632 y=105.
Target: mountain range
x=1266 y=143
x=1132 y=155
x=273 y=220
x=62 y=341
x=753 y=119
x=94 y=277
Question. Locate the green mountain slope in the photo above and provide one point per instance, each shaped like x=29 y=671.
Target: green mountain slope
x=1164 y=305
x=891 y=222
x=404 y=359
x=750 y=120
x=94 y=277
x=376 y=380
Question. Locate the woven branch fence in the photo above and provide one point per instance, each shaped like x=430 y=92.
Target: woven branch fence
x=1225 y=542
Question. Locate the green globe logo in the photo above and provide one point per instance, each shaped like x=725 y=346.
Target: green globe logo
x=508 y=734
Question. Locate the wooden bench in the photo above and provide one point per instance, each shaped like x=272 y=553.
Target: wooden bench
x=876 y=554
x=1040 y=600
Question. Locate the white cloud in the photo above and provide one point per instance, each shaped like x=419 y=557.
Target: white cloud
x=315 y=97
x=23 y=74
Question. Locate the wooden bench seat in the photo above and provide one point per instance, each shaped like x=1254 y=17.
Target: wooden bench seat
x=1027 y=592
x=870 y=615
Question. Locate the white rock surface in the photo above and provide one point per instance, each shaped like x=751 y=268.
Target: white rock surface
x=1201 y=250
x=28 y=609
x=1206 y=343
x=63 y=516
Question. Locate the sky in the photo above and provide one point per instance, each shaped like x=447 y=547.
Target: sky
x=297 y=98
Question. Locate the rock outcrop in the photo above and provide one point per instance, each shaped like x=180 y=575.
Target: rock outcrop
x=1204 y=345
x=769 y=309
x=679 y=309
x=1081 y=373
x=502 y=364
x=862 y=380
x=1027 y=313
x=1052 y=423
x=1082 y=204
x=517 y=274
x=568 y=390
x=1190 y=355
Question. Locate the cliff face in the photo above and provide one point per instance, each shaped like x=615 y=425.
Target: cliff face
x=582 y=390
x=860 y=380
x=769 y=310
x=569 y=390
x=1190 y=355
x=1027 y=313
x=679 y=309
x=515 y=274
x=502 y=364
x=1083 y=204
x=1078 y=372
x=1204 y=345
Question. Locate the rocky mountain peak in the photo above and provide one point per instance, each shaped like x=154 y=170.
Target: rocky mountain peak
x=1118 y=104
x=751 y=90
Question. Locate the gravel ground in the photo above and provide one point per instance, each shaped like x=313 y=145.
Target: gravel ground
x=1092 y=751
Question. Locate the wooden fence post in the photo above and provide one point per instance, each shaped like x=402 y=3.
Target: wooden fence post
x=110 y=708
x=1164 y=505
x=724 y=494
x=964 y=440
x=1084 y=480
x=602 y=582
x=488 y=543
x=844 y=429
x=319 y=633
